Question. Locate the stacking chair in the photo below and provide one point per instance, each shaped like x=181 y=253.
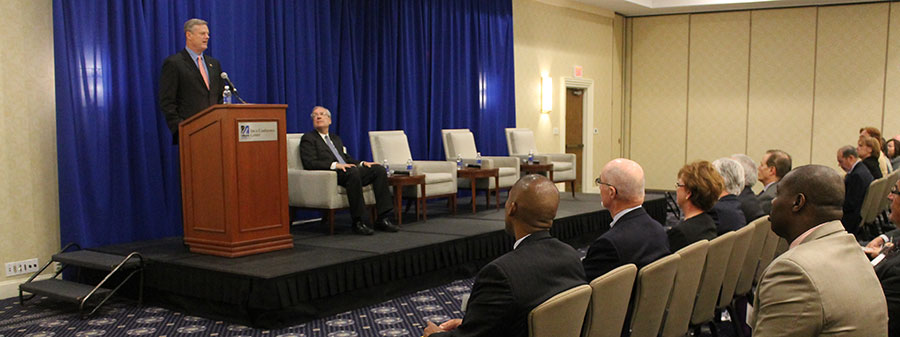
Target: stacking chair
x=462 y=142
x=610 y=295
x=316 y=189
x=654 y=285
x=520 y=141
x=768 y=253
x=561 y=315
x=742 y=241
x=754 y=255
x=713 y=274
x=684 y=292
x=440 y=176
x=869 y=209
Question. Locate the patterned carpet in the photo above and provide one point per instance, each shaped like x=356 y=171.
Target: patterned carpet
x=403 y=316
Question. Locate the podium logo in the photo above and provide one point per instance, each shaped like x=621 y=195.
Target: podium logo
x=257 y=131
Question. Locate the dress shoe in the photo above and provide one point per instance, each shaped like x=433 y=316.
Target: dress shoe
x=385 y=224
x=359 y=227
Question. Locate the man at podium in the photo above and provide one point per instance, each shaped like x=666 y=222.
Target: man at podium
x=190 y=81
x=321 y=150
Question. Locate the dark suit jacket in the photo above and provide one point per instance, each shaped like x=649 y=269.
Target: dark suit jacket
x=635 y=238
x=888 y=272
x=508 y=288
x=872 y=164
x=317 y=155
x=765 y=197
x=727 y=214
x=182 y=92
x=750 y=205
x=700 y=227
x=856 y=184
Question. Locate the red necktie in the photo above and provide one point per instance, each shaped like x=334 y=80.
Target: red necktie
x=203 y=71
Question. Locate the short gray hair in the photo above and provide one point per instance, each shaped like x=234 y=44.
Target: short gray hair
x=189 y=24
x=313 y=113
x=848 y=151
x=732 y=173
x=750 y=167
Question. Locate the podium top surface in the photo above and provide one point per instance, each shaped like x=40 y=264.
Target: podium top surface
x=234 y=107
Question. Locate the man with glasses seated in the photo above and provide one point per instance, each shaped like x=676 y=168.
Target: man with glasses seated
x=633 y=236
x=888 y=270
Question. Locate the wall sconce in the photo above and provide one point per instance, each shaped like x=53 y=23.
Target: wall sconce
x=546 y=94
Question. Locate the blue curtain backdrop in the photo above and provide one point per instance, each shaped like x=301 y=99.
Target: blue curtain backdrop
x=420 y=66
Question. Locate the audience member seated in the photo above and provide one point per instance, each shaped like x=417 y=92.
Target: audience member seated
x=774 y=165
x=823 y=285
x=884 y=163
x=749 y=203
x=538 y=267
x=633 y=236
x=892 y=151
x=888 y=270
x=727 y=212
x=696 y=192
x=856 y=183
x=868 y=150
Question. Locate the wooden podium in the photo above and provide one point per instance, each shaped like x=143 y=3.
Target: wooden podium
x=234 y=185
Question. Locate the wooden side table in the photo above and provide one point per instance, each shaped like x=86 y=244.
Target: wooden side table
x=398 y=182
x=476 y=173
x=538 y=168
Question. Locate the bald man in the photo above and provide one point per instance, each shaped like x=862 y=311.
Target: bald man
x=538 y=268
x=633 y=236
x=823 y=285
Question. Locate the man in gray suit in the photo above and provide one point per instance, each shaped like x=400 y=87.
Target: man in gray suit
x=823 y=285
x=774 y=165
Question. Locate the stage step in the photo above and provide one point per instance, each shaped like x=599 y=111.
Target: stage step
x=80 y=293
x=94 y=260
x=63 y=290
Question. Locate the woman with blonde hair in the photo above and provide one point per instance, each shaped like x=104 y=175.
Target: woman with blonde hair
x=868 y=150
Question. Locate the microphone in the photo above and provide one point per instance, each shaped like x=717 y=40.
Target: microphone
x=224 y=76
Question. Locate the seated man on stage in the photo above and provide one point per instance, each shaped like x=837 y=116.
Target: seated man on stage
x=538 y=267
x=321 y=150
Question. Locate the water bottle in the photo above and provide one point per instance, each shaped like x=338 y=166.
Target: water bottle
x=530 y=157
x=478 y=158
x=226 y=95
x=387 y=167
x=409 y=166
x=459 y=165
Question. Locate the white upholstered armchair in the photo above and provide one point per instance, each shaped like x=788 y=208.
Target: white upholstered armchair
x=440 y=176
x=462 y=142
x=316 y=189
x=520 y=141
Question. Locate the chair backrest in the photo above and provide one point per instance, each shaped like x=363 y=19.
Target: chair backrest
x=711 y=281
x=751 y=261
x=458 y=141
x=293 y=151
x=684 y=292
x=561 y=315
x=654 y=285
x=390 y=145
x=768 y=252
x=742 y=238
x=520 y=141
x=610 y=295
x=891 y=180
x=871 y=203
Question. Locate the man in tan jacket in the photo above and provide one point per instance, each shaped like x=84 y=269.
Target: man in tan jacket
x=823 y=285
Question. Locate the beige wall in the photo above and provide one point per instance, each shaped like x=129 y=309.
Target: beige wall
x=29 y=209
x=550 y=40
x=802 y=79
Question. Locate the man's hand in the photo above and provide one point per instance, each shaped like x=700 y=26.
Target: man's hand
x=451 y=324
x=430 y=329
x=368 y=163
x=874 y=247
x=344 y=167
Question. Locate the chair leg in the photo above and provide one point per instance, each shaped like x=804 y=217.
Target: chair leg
x=573 y=189
x=738 y=331
x=331 y=222
x=453 y=203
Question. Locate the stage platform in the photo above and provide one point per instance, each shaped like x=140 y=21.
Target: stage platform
x=324 y=275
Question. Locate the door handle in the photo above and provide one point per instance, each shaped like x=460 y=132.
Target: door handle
x=575 y=146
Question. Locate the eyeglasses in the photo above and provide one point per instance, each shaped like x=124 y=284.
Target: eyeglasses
x=599 y=182
x=895 y=191
x=677 y=185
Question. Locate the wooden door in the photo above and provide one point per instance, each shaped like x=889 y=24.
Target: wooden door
x=575 y=129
